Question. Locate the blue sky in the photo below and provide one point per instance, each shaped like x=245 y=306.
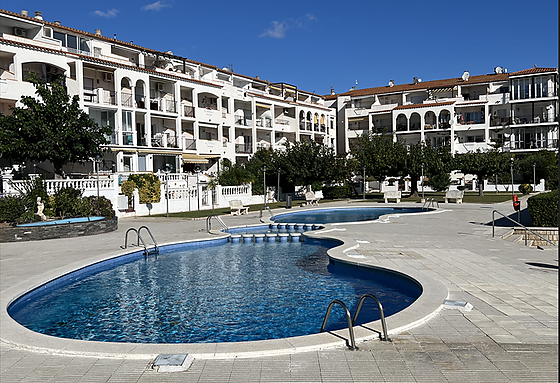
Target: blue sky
x=318 y=44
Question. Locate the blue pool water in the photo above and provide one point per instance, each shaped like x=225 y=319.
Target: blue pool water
x=335 y=215
x=63 y=221
x=210 y=292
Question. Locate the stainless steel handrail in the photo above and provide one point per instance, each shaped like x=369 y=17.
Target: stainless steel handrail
x=156 y=247
x=430 y=201
x=139 y=239
x=350 y=327
x=384 y=337
x=220 y=221
x=518 y=224
x=267 y=208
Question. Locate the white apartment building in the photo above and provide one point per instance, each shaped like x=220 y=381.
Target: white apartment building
x=519 y=110
x=165 y=109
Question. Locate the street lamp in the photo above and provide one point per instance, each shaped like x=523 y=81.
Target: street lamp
x=278 y=190
x=264 y=182
x=197 y=171
x=98 y=158
x=364 y=182
x=534 y=178
x=422 y=166
x=511 y=168
x=166 y=171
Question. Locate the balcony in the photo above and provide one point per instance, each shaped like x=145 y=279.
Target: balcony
x=100 y=96
x=535 y=145
x=163 y=105
x=444 y=125
x=401 y=127
x=531 y=119
x=243 y=121
x=126 y=99
x=189 y=144
x=164 y=140
x=500 y=121
x=188 y=111
x=140 y=102
x=244 y=148
x=263 y=122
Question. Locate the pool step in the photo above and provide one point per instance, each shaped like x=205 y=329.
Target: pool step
x=269 y=237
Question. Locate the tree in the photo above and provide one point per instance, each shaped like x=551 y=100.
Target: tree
x=546 y=167
x=233 y=174
x=381 y=156
x=482 y=164
x=304 y=163
x=432 y=162
x=52 y=128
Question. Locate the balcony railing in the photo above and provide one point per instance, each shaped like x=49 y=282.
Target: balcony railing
x=108 y=97
x=500 y=121
x=189 y=144
x=530 y=119
x=264 y=122
x=126 y=99
x=164 y=140
x=127 y=138
x=543 y=144
x=281 y=121
x=244 y=148
x=460 y=121
x=402 y=128
x=444 y=125
x=188 y=111
x=140 y=102
x=430 y=126
x=243 y=121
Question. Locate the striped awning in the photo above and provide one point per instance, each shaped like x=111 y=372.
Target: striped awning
x=194 y=159
x=357 y=119
x=441 y=90
x=262 y=105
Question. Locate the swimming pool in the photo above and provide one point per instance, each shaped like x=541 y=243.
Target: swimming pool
x=336 y=215
x=209 y=291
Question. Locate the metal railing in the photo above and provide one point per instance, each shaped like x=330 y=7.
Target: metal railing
x=352 y=345
x=384 y=337
x=518 y=224
x=220 y=221
x=270 y=211
x=429 y=202
x=141 y=240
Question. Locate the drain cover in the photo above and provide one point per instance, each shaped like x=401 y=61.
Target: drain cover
x=465 y=306
x=172 y=362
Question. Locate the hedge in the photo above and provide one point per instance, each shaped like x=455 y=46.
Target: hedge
x=334 y=192
x=543 y=209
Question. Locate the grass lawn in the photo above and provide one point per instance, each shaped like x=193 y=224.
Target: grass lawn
x=469 y=197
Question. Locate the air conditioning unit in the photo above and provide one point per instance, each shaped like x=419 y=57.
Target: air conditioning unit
x=159 y=86
x=20 y=32
x=47 y=32
x=107 y=77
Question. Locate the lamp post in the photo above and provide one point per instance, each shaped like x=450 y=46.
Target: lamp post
x=197 y=171
x=278 y=189
x=1 y=177
x=264 y=182
x=511 y=168
x=166 y=171
x=422 y=182
x=534 y=178
x=364 y=182
x=98 y=159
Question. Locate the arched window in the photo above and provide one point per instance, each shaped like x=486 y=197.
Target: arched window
x=415 y=121
x=402 y=123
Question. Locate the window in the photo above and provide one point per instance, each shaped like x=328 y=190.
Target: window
x=84 y=45
x=72 y=42
x=522 y=89
x=127 y=132
x=61 y=37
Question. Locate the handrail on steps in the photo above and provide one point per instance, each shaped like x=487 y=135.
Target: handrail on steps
x=519 y=224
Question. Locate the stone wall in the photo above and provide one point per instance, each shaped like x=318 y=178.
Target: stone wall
x=68 y=230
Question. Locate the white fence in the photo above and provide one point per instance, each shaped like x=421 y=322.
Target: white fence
x=186 y=193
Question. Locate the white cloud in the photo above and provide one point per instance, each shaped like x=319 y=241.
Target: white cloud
x=277 y=31
x=158 y=5
x=109 y=14
x=311 y=17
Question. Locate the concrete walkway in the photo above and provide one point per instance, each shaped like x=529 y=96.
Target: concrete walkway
x=510 y=335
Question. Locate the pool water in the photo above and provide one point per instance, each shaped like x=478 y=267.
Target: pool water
x=212 y=293
x=63 y=221
x=335 y=215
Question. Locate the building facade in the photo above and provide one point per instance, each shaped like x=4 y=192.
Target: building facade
x=515 y=111
x=166 y=110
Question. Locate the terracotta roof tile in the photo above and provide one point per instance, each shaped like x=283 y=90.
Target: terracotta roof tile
x=430 y=105
x=534 y=70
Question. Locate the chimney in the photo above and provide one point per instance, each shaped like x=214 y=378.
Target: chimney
x=57 y=23
x=257 y=77
x=98 y=32
x=39 y=15
x=332 y=91
x=415 y=80
x=24 y=12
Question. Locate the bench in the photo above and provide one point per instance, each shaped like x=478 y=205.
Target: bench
x=237 y=207
x=392 y=194
x=457 y=195
x=311 y=199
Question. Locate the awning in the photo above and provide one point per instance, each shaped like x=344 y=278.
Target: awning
x=194 y=159
x=357 y=119
x=262 y=105
x=441 y=90
x=159 y=152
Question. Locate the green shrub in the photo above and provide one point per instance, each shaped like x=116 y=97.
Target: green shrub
x=148 y=185
x=12 y=208
x=334 y=192
x=68 y=202
x=102 y=208
x=525 y=188
x=317 y=185
x=543 y=209
x=439 y=182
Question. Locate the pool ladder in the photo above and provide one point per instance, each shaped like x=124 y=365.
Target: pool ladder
x=261 y=213
x=220 y=221
x=352 y=321
x=429 y=202
x=147 y=252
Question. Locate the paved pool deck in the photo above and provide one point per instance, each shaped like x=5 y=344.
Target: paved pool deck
x=509 y=335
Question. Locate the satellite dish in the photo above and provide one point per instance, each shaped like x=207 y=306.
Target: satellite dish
x=466 y=76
